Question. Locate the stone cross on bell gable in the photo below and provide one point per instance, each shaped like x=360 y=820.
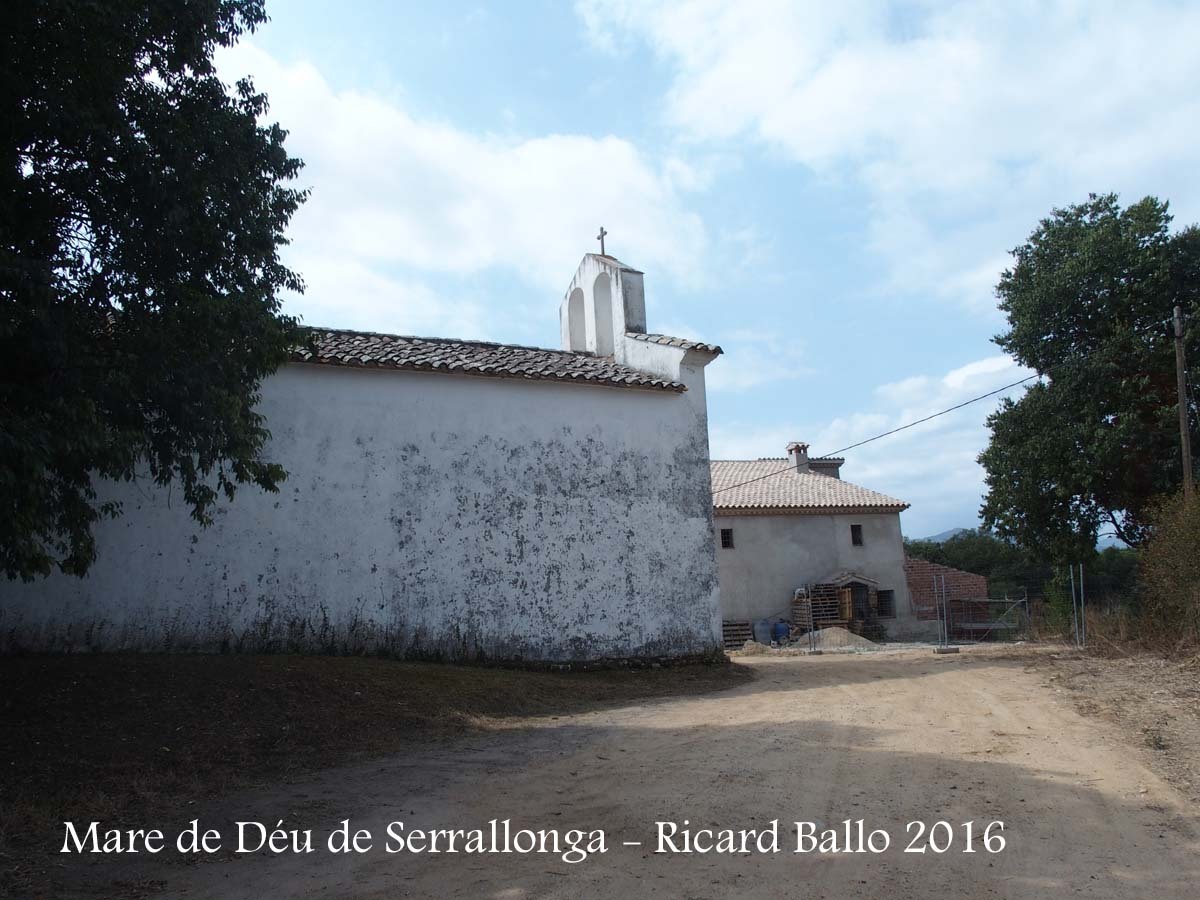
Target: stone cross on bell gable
x=600 y=237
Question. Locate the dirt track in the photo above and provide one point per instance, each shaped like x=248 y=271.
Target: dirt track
x=888 y=738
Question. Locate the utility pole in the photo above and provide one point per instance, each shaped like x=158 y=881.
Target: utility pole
x=1185 y=441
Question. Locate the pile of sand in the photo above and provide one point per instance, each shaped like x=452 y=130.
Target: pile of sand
x=836 y=638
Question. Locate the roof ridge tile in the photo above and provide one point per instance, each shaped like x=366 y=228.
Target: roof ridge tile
x=369 y=349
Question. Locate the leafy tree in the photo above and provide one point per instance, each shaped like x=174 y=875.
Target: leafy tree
x=1009 y=569
x=923 y=549
x=1089 y=299
x=1113 y=575
x=142 y=209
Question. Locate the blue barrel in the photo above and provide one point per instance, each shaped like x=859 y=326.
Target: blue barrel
x=762 y=631
x=780 y=631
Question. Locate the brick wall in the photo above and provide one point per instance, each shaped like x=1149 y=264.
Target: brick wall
x=960 y=585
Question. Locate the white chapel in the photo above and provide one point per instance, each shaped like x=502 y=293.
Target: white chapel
x=445 y=499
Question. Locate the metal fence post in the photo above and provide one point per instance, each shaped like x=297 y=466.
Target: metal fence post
x=946 y=610
x=812 y=635
x=1074 y=608
x=1082 y=612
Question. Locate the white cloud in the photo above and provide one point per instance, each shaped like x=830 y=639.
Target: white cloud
x=755 y=358
x=348 y=293
x=751 y=358
x=932 y=466
x=965 y=122
x=396 y=198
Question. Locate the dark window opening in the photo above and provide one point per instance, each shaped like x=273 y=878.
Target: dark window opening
x=856 y=535
x=860 y=600
x=726 y=538
x=886 y=608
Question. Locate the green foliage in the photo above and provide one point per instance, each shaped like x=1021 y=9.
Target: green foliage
x=1171 y=569
x=142 y=209
x=1112 y=577
x=1008 y=568
x=1057 y=595
x=1011 y=570
x=1088 y=300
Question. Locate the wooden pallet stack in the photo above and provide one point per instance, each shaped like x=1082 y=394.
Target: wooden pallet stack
x=827 y=608
x=735 y=634
x=833 y=605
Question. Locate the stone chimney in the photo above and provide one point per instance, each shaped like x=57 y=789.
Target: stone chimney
x=798 y=454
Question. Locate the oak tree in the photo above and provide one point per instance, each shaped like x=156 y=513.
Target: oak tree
x=1095 y=440
x=143 y=204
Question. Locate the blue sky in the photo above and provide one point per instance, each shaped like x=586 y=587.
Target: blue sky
x=829 y=191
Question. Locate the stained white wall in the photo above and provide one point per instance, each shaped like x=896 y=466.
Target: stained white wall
x=774 y=555
x=425 y=514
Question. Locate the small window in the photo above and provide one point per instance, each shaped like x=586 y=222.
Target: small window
x=726 y=538
x=856 y=535
x=886 y=608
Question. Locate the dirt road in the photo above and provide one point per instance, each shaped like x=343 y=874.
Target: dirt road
x=887 y=738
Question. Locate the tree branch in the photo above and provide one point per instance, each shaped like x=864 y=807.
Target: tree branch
x=1121 y=532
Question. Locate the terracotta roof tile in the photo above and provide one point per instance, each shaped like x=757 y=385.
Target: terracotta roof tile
x=365 y=349
x=681 y=343
x=785 y=489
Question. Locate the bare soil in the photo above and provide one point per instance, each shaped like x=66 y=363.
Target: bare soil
x=126 y=738
x=1154 y=703
x=990 y=734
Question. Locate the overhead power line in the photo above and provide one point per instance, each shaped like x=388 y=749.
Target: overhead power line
x=943 y=412
x=893 y=431
x=951 y=409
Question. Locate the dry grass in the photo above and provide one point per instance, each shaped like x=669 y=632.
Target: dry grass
x=1154 y=703
x=1120 y=633
x=119 y=737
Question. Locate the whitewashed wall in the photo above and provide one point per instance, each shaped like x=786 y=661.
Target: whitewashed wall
x=425 y=515
x=774 y=555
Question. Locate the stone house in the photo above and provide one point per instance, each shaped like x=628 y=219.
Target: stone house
x=792 y=524
x=447 y=499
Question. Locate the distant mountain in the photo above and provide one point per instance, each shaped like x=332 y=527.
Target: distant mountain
x=945 y=535
x=1108 y=540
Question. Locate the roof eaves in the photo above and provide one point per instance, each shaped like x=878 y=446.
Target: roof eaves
x=830 y=510
x=491 y=372
x=374 y=350
x=681 y=343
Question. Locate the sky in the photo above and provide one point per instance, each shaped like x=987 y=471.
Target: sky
x=829 y=191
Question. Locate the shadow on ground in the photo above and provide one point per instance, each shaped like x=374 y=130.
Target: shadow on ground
x=736 y=759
